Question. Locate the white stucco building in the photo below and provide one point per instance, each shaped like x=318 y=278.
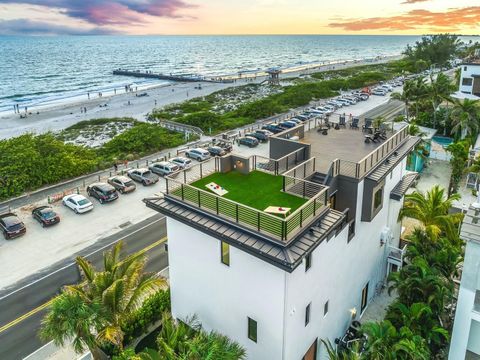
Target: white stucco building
x=465 y=343
x=470 y=77
x=279 y=285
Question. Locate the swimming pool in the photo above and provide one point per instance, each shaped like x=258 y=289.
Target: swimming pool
x=444 y=141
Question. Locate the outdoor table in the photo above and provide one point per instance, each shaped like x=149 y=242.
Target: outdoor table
x=277 y=210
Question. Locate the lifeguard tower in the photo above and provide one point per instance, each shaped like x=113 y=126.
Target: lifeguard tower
x=273 y=76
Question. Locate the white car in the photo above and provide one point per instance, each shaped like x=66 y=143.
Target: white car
x=78 y=203
x=182 y=162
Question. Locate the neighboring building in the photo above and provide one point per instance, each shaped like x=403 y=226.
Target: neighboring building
x=416 y=159
x=470 y=76
x=280 y=284
x=465 y=343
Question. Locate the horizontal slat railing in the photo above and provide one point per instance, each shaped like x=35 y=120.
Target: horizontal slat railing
x=360 y=169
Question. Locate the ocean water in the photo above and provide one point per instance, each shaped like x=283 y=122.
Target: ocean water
x=40 y=71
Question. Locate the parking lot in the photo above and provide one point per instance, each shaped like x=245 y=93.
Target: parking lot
x=41 y=247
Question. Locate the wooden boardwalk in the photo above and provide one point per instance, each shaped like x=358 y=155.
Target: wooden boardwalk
x=179 y=78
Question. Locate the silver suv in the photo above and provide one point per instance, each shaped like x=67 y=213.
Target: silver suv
x=144 y=176
x=164 y=168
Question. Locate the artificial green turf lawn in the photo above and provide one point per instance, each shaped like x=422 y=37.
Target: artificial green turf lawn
x=257 y=189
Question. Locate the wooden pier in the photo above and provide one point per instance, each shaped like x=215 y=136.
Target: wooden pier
x=179 y=78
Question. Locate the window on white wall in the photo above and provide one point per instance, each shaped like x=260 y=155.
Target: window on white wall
x=225 y=253
x=308 y=261
x=252 y=329
x=467 y=81
x=307 y=314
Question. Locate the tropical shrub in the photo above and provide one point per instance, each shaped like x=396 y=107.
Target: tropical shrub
x=149 y=313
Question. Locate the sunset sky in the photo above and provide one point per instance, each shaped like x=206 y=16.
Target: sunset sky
x=33 y=17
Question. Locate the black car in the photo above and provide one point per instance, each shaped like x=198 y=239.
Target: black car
x=102 y=192
x=249 y=141
x=273 y=128
x=225 y=145
x=216 y=151
x=259 y=136
x=45 y=216
x=11 y=226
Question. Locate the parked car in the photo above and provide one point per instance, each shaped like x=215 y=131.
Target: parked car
x=260 y=135
x=378 y=92
x=102 y=192
x=45 y=216
x=248 y=140
x=78 y=203
x=296 y=121
x=274 y=128
x=123 y=184
x=144 y=176
x=181 y=162
x=225 y=145
x=164 y=168
x=11 y=226
x=216 y=151
x=302 y=117
x=198 y=154
x=288 y=124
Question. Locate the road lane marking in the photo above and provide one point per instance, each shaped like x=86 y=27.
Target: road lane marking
x=45 y=305
x=86 y=256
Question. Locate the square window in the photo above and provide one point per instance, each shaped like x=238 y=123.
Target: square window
x=467 y=81
x=225 y=253
x=308 y=261
x=252 y=329
x=325 y=308
x=307 y=314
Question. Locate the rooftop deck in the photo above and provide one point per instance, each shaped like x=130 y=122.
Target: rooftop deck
x=345 y=144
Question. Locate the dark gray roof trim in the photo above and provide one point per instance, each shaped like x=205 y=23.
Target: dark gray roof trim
x=401 y=188
x=387 y=165
x=285 y=258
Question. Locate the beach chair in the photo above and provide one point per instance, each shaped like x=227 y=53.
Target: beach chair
x=354 y=124
x=368 y=126
x=342 y=121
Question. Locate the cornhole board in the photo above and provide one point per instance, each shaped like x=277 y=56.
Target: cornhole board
x=217 y=189
x=277 y=210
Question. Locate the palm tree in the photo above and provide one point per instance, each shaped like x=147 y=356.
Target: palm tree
x=115 y=293
x=432 y=210
x=465 y=117
x=420 y=319
x=438 y=90
x=70 y=319
x=417 y=282
x=334 y=354
x=407 y=96
x=187 y=340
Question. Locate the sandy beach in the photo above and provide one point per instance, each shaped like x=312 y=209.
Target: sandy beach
x=129 y=105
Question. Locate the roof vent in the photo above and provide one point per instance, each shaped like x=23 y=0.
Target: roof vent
x=395 y=153
x=387 y=161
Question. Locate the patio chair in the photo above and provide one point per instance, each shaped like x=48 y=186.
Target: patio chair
x=368 y=126
x=376 y=137
x=354 y=124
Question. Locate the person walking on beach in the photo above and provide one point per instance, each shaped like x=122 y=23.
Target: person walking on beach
x=15 y=109
x=155 y=102
x=85 y=110
x=88 y=95
x=25 y=109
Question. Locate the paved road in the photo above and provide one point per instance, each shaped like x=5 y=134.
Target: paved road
x=20 y=339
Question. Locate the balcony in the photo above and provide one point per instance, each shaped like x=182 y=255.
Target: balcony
x=253 y=184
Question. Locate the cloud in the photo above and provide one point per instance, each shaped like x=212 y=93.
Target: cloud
x=109 y=12
x=452 y=19
x=30 y=27
x=413 y=1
